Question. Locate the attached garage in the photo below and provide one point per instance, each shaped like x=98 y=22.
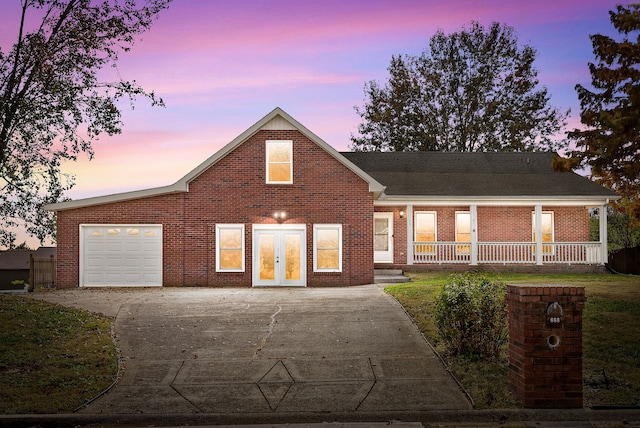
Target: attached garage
x=120 y=255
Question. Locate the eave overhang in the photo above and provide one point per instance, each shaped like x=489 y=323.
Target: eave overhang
x=399 y=200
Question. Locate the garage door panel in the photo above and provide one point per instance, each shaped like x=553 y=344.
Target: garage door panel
x=95 y=278
x=132 y=262
x=152 y=244
x=151 y=277
x=121 y=255
x=113 y=246
x=94 y=246
x=133 y=246
x=150 y=263
x=94 y=262
x=113 y=262
x=132 y=278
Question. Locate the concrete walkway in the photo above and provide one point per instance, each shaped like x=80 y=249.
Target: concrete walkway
x=267 y=355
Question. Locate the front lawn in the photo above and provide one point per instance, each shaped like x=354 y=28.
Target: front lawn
x=52 y=359
x=611 y=337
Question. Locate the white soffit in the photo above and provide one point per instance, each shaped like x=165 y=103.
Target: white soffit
x=278 y=123
x=489 y=201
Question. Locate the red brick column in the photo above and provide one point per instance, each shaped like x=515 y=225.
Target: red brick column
x=545 y=345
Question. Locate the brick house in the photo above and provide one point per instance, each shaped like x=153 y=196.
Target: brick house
x=279 y=206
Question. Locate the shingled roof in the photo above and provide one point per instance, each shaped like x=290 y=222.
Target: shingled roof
x=511 y=174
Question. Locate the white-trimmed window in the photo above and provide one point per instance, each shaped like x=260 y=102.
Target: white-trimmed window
x=279 y=154
x=327 y=248
x=463 y=231
x=230 y=248
x=547 y=230
x=425 y=230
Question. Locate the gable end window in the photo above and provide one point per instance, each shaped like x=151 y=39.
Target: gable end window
x=279 y=154
x=327 y=248
x=230 y=248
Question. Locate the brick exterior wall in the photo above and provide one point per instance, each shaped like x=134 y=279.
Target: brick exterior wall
x=234 y=191
x=497 y=224
x=545 y=358
x=167 y=210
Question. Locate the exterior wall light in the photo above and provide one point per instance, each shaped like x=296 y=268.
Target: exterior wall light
x=401 y=213
x=280 y=215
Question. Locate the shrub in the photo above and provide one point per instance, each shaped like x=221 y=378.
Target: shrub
x=471 y=315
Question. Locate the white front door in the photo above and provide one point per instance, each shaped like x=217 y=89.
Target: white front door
x=383 y=237
x=279 y=255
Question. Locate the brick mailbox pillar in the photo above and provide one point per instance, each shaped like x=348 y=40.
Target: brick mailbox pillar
x=545 y=345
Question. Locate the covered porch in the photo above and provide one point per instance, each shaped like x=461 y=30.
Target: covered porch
x=445 y=235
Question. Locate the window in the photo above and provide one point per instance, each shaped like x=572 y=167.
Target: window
x=425 y=231
x=230 y=247
x=463 y=231
x=327 y=248
x=547 y=230
x=279 y=161
x=381 y=234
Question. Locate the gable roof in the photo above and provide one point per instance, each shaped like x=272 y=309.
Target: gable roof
x=505 y=175
x=277 y=119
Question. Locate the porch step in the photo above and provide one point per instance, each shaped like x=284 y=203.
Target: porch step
x=389 y=276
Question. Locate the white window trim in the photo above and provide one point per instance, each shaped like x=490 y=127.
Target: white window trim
x=220 y=227
x=435 y=228
x=317 y=227
x=290 y=142
x=553 y=231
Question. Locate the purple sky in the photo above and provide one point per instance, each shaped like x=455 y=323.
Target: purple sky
x=222 y=65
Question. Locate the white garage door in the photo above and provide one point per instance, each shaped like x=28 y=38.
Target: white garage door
x=121 y=255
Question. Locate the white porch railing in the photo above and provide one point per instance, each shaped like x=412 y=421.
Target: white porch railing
x=442 y=252
x=507 y=252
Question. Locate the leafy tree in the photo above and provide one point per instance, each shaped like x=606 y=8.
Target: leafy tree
x=621 y=231
x=473 y=90
x=53 y=102
x=21 y=247
x=610 y=142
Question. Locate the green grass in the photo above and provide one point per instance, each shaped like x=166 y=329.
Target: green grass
x=52 y=359
x=611 y=337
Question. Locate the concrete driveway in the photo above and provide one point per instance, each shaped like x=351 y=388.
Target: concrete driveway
x=268 y=355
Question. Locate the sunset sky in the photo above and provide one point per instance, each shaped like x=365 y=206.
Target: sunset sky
x=222 y=65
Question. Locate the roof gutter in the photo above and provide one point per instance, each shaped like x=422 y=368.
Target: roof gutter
x=386 y=200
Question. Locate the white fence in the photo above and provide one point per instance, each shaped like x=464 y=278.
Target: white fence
x=507 y=252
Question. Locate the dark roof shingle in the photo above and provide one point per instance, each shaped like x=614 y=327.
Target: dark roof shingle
x=506 y=174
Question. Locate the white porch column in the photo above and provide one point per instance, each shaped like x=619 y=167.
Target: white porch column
x=409 y=215
x=604 y=250
x=473 y=210
x=538 y=217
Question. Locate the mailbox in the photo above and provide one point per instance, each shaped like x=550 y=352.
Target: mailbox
x=555 y=314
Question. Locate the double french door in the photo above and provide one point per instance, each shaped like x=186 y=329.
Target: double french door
x=279 y=255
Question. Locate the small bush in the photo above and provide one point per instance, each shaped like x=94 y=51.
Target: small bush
x=471 y=315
